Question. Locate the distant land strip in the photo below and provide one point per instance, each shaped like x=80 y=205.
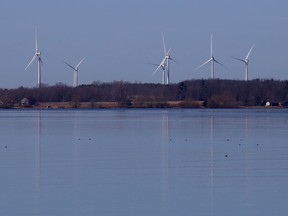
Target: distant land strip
x=147 y=104
x=208 y=93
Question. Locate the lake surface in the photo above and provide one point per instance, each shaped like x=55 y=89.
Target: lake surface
x=147 y=162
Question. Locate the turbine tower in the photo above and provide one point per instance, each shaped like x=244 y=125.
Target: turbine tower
x=39 y=59
x=246 y=62
x=165 y=63
x=212 y=60
x=75 y=69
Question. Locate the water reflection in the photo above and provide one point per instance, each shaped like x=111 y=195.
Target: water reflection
x=165 y=155
x=212 y=163
x=38 y=148
x=139 y=162
x=37 y=160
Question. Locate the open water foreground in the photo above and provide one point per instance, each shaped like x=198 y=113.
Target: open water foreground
x=146 y=162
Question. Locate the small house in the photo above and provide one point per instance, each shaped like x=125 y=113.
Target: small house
x=24 y=102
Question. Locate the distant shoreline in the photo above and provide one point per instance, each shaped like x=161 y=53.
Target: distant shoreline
x=107 y=105
x=145 y=105
x=187 y=94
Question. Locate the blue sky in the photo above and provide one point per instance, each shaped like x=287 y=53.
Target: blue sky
x=120 y=38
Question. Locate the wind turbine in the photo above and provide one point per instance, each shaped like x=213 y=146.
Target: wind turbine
x=39 y=59
x=75 y=69
x=246 y=62
x=212 y=60
x=165 y=63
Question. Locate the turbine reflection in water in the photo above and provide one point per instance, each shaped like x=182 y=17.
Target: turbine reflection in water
x=165 y=155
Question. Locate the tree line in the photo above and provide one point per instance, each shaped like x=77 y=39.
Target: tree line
x=212 y=93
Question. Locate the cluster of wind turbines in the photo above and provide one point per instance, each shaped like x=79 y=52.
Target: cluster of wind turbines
x=37 y=56
x=166 y=69
x=164 y=64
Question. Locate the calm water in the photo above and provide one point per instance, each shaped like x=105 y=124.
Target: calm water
x=144 y=162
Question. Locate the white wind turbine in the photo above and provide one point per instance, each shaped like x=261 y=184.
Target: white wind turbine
x=212 y=60
x=39 y=59
x=75 y=69
x=246 y=62
x=165 y=63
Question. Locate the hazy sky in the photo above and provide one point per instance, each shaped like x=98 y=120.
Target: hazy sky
x=119 y=39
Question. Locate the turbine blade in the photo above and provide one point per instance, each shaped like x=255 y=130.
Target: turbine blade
x=174 y=60
x=153 y=64
x=33 y=58
x=80 y=62
x=164 y=46
x=249 y=52
x=211 y=45
x=168 y=51
x=40 y=60
x=162 y=63
x=238 y=59
x=220 y=64
x=69 y=65
x=36 y=39
x=204 y=64
x=156 y=70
